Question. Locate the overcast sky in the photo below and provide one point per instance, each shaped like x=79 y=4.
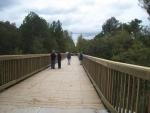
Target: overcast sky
x=77 y=16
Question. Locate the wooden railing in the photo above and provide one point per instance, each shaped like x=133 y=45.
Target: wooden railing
x=123 y=88
x=14 y=68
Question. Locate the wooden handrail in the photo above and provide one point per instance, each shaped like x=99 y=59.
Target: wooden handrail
x=9 y=57
x=122 y=87
x=14 y=68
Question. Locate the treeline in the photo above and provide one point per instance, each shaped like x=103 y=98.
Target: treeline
x=124 y=42
x=35 y=35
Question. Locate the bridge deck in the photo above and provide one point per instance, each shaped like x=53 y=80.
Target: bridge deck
x=66 y=90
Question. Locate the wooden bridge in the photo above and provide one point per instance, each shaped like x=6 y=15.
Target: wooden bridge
x=75 y=88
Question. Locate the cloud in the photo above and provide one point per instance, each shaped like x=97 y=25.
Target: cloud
x=54 y=11
x=6 y=3
x=80 y=16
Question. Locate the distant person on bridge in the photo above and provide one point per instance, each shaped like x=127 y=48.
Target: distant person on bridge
x=80 y=57
x=59 y=59
x=53 y=58
x=69 y=57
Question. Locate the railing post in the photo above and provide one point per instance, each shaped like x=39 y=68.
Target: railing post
x=14 y=68
x=124 y=88
x=148 y=96
x=1 y=72
x=148 y=104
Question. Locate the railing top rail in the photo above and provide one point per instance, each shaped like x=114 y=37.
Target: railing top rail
x=10 y=57
x=135 y=70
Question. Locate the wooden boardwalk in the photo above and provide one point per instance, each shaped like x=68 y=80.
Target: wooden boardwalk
x=65 y=90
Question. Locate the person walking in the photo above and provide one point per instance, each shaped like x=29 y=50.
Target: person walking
x=53 y=58
x=69 y=58
x=80 y=58
x=59 y=59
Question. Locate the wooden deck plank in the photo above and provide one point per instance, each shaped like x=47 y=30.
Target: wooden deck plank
x=67 y=88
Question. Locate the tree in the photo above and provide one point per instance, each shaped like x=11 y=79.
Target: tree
x=110 y=25
x=145 y=37
x=34 y=35
x=69 y=44
x=9 y=38
x=82 y=44
x=56 y=32
x=146 y=5
x=117 y=43
x=79 y=43
x=34 y=31
x=137 y=54
x=135 y=27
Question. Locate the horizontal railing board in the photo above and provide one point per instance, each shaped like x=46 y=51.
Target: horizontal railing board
x=14 y=68
x=10 y=57
x=135 y=70
x=123 y=88
x=104 y=100
x=19 y=79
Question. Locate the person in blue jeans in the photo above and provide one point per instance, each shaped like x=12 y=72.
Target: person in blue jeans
x=69 y=57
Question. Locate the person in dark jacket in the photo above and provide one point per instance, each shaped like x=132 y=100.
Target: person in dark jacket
x=59 y=59
x=69 y=58
x=80 y=57
x=53 y=58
